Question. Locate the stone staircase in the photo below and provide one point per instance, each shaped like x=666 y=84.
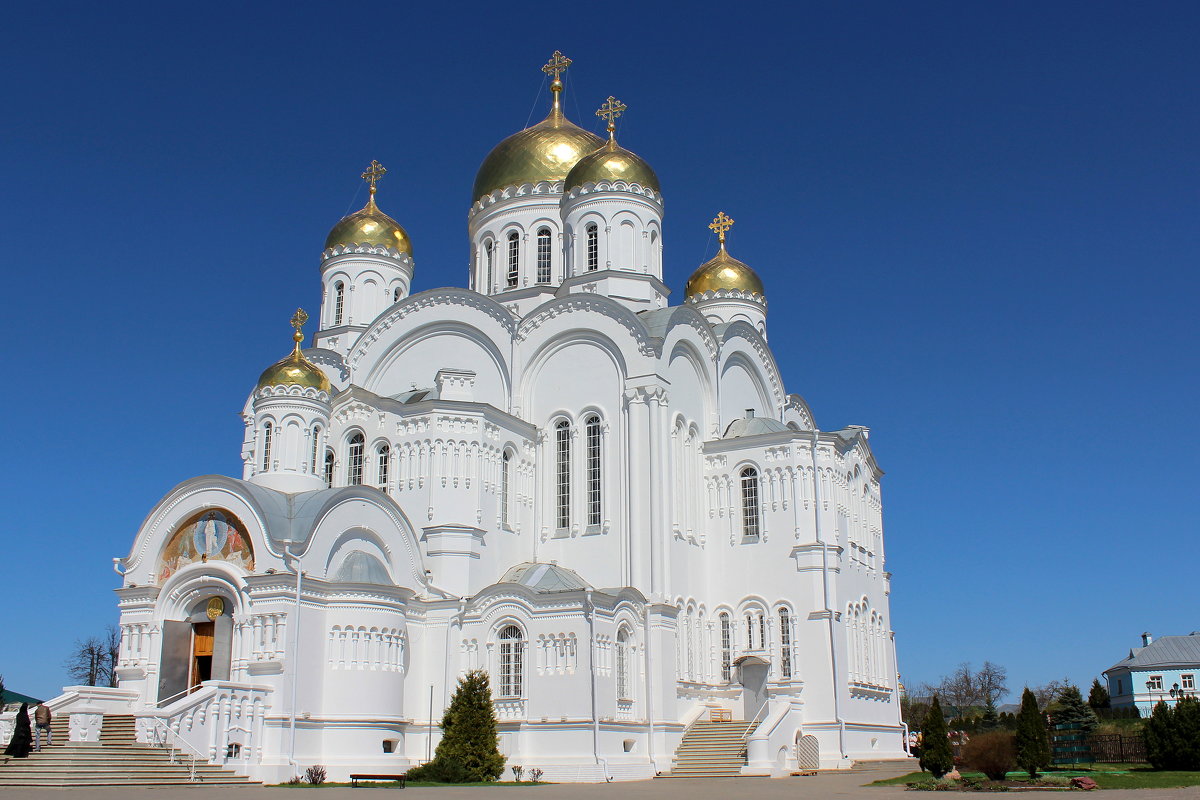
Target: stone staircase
x=117 y=760
x=712 y=750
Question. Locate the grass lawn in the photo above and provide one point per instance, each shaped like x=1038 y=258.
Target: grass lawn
x=396 y=785
x=1108 y=776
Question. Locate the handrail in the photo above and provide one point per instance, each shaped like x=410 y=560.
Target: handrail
x=166 y=701
x=165 y=742
x=746 y=734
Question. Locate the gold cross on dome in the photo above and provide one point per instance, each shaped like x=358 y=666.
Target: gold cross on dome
x=372 y=176
x=298 y=319
x=721 y=223
x=557 y=64
x=611 y=109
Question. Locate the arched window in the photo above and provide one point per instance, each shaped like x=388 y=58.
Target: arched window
x=514 y=258
x=490 y=255
x=505 y=486
x=339 y=302
x=266 y=451
x=354 y=460
x=623 y=683
x=383 y=458
x=396 y=295
x=316 y=447
x=749 y=631
x=750 y=519
x=512 y=666
x=562 y=440
x=785 y=643
x=543 y=255
x=726 y=647
x=592 y=429
x=329 y=468
x=593 y=247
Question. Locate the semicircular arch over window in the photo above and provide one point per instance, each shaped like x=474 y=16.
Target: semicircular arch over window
x=213 y=534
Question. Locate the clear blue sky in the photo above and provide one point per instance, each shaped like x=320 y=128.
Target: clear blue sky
x=977 y=226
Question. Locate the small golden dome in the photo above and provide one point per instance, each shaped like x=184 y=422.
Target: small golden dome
x=723 y=272
x=612 y=162
x=369 y=226
x=295 y=370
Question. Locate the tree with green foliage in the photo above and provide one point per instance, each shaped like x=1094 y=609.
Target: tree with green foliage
x=1033 y=742
x=1070 y=710
x=470 y=747
x=990 y=720
x=1098 y=697
x=1173 y=735
x=936 y=755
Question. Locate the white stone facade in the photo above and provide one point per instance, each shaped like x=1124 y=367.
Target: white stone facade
x=609 y=503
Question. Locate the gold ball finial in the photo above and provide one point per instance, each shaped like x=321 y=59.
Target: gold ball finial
x=720 y=224
x=555 y=67
x=372 y=175
x=610 y=111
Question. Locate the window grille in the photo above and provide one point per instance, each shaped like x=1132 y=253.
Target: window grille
x=726 y=647
x=749 y=632
x=505 y=479
x=354 y=463
x=512 y=652
x=623 y=664
x=384 y=461
x=316 y=447
x=593 y=247
x=543 y=255
x=762 y=631
x=489 y=250
x=514 y=258
x=563 y=476
x=339 y=302
x=329 y=468
x=785 y=643
x=750 y=518
x=592 y=427
x=266 y=462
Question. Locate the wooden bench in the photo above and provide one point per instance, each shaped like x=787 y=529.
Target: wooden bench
x=356 y=777
x=720 y=715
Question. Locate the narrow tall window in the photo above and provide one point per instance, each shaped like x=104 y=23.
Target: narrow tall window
x=512 y=652
x=329 y=468
x=762 y=631
x=593 y=247
x=785 y=643
x=396 y=295
x=592 y=428
x=354 y=460
x=543 y=255
x=505 y=480
x=316 y=447
x=339 y=302
x=562 y=439
x=267 y=431
x=514 y=258
x=726 y=647
x=623 y=664
x=750 y=520
x=490 y=252
x=384 y=460
x=749 y=632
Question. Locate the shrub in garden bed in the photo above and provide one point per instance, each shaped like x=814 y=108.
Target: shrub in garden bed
x=992 y=754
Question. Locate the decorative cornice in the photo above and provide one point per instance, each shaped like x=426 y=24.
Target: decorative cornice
x=292 y=390
x=367 y=250
x=613 y=186
x=728 y=294
x=513 y=192
x=588 y=302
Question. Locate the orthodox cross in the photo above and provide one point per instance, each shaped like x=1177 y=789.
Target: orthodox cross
x=298 y=320
x=371 y=176
x=557 y=65
x=721 y=224
x=611 y=109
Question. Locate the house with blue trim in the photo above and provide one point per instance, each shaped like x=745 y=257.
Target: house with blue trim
x=1162 y=669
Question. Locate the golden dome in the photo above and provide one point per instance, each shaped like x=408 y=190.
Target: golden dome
x=369 y=226
x=544 y=152
x=723 y=272
x=295 y=370
x=611 y=162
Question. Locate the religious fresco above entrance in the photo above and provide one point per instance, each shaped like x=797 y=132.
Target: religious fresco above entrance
x=211 y=534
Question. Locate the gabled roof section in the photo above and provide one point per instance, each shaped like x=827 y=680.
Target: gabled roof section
x=545 y=578
x=1164 y=652
x=753 y=426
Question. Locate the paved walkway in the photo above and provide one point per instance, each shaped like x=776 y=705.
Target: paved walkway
x=833 y=785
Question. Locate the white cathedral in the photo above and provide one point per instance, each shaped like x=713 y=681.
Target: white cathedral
x=608 y=502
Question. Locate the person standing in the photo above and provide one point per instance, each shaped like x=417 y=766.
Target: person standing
x=18 y=746
x=41 y=723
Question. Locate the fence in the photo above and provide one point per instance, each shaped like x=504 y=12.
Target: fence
x=1113 y=748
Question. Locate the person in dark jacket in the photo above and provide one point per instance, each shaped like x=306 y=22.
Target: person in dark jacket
x=22 y=738
x=41 y=726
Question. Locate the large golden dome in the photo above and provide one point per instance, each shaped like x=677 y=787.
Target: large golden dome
x=295 y=370
x=369 y=226
x=544 y=152
x=723 y=272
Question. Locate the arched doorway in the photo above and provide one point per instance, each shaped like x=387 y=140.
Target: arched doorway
x=752 y=675
x=197 y=649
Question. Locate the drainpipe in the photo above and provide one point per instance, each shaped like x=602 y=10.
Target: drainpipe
x=295 y=653
x=833 y=662
x=649 y=698
x=591 y=616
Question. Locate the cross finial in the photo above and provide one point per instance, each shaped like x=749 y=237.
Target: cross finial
x=298 y=320
x=720 y=224
x=371 y=176
x=611 y=109
x=557 y=65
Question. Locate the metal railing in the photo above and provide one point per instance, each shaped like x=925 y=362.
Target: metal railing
x=162 y=736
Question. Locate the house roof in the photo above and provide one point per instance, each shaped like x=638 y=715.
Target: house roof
x=1166 y=651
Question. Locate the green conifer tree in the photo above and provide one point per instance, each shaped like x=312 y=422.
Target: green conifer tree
x=470 y=740
x=1033 y=743
x=1098 y=697
x=936 y=755
x=990 y=720
x=1071 y=710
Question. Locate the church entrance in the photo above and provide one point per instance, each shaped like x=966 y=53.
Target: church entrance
x=195 y=650
x=752 y=675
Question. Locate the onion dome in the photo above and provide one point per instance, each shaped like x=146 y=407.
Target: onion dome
x=295 y=370
x=612 y=162
x=723 y=271
x=543 y=152
x=370 y=226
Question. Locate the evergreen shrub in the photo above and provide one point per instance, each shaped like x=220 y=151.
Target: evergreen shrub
x=470 y=747
x=1032 y=741
x=1173 y=735
x=936 y=755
